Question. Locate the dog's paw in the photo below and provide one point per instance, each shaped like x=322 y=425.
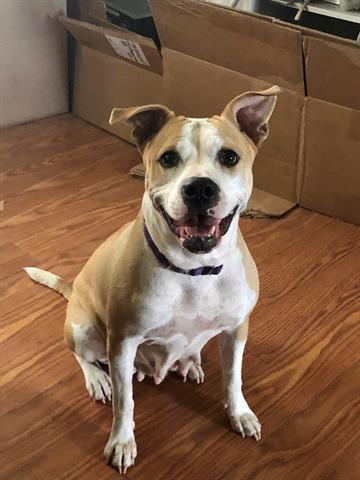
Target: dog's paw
x=246 y=424
x=190 y=369
x=98 y=384
x=120 y=454
x=195 y=374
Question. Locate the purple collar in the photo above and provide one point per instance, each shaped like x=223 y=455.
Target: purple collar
x=164 y=262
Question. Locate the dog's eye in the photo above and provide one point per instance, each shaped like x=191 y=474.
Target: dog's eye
x=169 y=159
x=228 y=158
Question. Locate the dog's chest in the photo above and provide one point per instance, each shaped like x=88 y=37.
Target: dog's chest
x=191 y=314
x=192 y=310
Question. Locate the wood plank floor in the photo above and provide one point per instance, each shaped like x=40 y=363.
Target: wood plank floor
x=66 y=188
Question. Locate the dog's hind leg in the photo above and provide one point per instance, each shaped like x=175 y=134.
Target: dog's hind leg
x=196 y=373
x=189 y=366
x=190 y=369
x=86 y=340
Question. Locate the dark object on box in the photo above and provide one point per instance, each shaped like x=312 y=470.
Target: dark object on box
x=285 y=13
x=134 y=15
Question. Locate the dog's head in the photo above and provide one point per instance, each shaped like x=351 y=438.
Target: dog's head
x=199 y=170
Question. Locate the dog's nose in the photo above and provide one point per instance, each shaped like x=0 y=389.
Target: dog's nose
x=200 y=193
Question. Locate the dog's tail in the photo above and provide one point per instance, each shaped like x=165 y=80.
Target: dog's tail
x=50 y=280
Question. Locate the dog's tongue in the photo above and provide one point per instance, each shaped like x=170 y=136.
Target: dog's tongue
x=200 y=226
x=199 y=230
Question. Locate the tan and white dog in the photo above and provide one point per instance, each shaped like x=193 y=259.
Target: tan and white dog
x=155 y=292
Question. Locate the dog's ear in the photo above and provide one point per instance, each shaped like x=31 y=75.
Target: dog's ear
x=146 y=121
x=251 y=113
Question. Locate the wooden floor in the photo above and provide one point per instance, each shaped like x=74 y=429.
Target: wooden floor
x=66 y=189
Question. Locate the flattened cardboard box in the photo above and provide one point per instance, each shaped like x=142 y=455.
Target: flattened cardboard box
x=198 y=81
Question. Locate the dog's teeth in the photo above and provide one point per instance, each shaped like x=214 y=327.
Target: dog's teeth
x=212 y=231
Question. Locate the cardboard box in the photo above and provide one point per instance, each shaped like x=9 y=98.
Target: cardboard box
x=329 y=173
x=210 y=54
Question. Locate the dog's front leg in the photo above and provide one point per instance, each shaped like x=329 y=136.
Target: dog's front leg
x=232 y=346
x=120 y=449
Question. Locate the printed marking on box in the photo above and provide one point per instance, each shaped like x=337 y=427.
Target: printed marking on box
x=127 y=49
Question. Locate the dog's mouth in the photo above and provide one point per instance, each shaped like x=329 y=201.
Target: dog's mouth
x=199 y=233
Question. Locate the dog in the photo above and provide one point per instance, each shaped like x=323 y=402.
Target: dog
x=156 y=291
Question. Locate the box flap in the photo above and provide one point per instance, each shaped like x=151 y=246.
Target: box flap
x=333 y=71
x=264 y=204
x=329 y=181
x=232 y=39
x=120 y=44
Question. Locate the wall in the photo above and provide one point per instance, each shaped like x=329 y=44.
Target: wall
x=33 y=63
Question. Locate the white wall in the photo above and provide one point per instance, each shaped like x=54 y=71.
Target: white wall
x=33 y=64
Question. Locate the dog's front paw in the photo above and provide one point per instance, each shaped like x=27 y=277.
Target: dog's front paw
x=246 y=424
x=120 y=453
